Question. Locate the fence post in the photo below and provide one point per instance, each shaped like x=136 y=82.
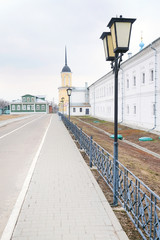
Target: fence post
x=151 y=212
x=155 y=225
x=75 y=131
x=125 y=188
x=108 y=175
x=80 y=138
x=90 y=152
x=138 y=204
x=136 y=201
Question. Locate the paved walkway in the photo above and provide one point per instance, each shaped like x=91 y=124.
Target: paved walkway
x=63 y=201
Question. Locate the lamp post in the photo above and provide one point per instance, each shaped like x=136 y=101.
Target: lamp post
x=62 y=101
x=69 y=92
x=116 y=42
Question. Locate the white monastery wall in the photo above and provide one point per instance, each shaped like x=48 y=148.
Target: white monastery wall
x=139 y=103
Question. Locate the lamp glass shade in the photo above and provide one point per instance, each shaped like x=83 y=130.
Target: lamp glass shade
x=69 y=91
x=108 y=46
x=105 y=47
x=121 y=32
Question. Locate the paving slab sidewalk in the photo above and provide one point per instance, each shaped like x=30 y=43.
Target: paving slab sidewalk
x=64 y=201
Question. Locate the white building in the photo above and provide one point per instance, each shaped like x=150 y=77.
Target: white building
x=138 y=91
x=79 y=101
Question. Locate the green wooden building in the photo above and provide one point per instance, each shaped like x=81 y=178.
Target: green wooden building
x=29 y=104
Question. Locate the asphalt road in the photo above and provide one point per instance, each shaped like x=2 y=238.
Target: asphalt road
x=19 y=142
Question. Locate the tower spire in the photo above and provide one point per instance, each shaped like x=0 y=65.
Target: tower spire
x=65 y=56
x=66 y=68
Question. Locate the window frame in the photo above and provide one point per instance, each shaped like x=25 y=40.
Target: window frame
x=151 y=75
x=18 y=107
x=13 y=107
x=38 y=107
x=134 y=81
x=24 y=107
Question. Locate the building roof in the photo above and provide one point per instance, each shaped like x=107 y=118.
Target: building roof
x=80 y=105
x=66 y=69
x=41 y=96
x=40 y=100
x=37 y=99
x=16 y=101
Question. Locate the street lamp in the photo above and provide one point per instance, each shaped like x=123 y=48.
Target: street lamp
x=115 y=44
x=69 y=92
x=62 y=101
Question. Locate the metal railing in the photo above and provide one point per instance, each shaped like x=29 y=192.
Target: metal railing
x=141 y=204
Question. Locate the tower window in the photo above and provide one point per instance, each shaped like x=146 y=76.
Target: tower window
x=64 y=81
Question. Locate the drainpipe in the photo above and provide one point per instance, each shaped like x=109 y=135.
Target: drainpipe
x=155 y=88
x=122 y=89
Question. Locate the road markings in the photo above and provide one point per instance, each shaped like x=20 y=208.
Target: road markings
x=5 y=135
x=8 y=231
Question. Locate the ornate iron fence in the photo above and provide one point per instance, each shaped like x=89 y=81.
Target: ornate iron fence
x=139 y=201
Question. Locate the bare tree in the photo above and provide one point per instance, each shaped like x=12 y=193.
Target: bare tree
x=3 y=104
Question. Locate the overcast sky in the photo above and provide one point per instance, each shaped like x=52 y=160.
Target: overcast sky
x=33 y=35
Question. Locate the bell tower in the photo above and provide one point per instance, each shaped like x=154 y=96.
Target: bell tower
x=66 y=82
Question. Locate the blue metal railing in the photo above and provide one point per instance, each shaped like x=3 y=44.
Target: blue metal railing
x=139 y=201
